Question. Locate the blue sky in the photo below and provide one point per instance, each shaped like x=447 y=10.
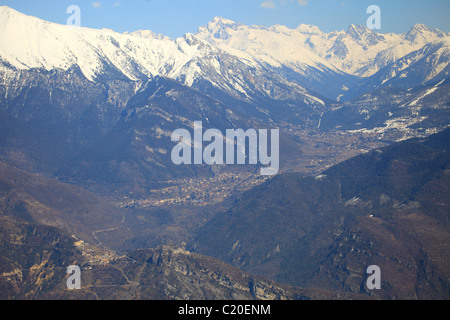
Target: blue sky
x=177 y=17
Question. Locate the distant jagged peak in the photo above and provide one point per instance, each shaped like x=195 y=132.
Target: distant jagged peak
x=358 y=31
x=420 y=32
x=147 y=34
x=364 y=35
x=218 y=27
x=193 y=40
x=221 y=23
x=308 y=29
x=420 y=27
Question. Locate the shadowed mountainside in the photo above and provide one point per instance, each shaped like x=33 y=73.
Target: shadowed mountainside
x=388 y=207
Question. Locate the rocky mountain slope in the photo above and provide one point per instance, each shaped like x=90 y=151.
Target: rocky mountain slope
x=34 y=260
x=80 y=87
x=84 y=92
x=45 y=201
x=106 y=55
x=318 y=57
x=97 y=108
x=388 y=207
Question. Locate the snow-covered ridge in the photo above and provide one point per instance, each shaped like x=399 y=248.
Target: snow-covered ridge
x=28 y=42
x=358 y=51
x=275 y=46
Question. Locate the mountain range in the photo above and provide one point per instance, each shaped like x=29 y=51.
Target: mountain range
x=86 y=118
x=222 y=48
x=81 y=85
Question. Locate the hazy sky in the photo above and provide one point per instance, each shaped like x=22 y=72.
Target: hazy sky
x=174 y=18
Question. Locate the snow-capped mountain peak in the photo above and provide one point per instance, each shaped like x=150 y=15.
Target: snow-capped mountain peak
x=309 y=29
x=219 y=53
x=364 y=36
x=274 y=46
x=218 y=27
x=147 y=34
x=355 y=31
x=222 y=22
x=420 y=33
x=28 y=42
x=357 y=51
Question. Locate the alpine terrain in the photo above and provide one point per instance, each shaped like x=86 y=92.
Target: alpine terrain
x=87 y=175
